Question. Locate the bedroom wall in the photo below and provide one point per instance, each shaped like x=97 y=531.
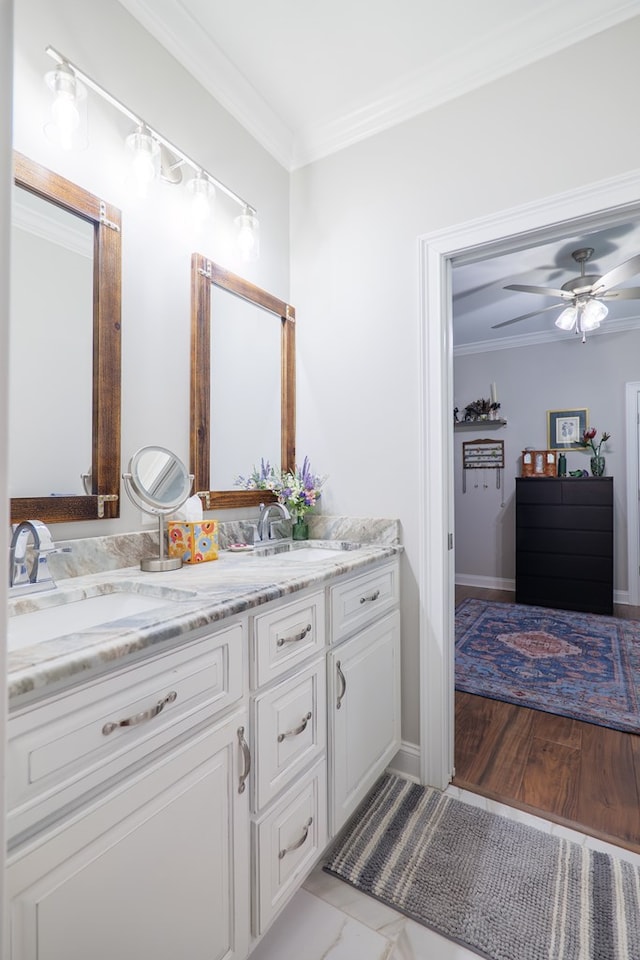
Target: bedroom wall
x=560 y=375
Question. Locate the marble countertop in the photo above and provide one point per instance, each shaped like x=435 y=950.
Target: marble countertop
x=188 y=599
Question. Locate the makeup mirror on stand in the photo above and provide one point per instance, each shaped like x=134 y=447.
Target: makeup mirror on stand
x=158 y=483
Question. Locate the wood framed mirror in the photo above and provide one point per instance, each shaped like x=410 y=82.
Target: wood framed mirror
x=242 y=383
x=95 y=495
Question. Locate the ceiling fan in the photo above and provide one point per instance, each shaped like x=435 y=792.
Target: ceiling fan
x=583 y=295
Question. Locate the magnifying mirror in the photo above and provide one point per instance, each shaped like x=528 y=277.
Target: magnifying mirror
x=158 y=483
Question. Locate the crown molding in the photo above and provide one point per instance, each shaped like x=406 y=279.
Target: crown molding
x=505 y=49
x=544 y=336
x=179 y=33
x=49 y=228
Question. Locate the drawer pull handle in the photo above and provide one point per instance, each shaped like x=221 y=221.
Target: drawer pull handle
x=246 y=755
x=343 y=679
x=296 y=730
x=371 y=597
x=298 y=844
x=140 y=717
x=296 y=638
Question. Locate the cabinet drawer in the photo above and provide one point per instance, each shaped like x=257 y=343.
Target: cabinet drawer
x=70 y=746
x=361 y=600
x=289 y=730
x=286 y=636
x=286 y=843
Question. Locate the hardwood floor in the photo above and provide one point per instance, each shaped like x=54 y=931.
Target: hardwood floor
x=575 y=773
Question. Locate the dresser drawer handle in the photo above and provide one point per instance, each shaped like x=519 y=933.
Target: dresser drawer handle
x=296 y=730
x=296 y=846
x=246 y=755
x=140 y=717
x=371 y=597
x=296 y=638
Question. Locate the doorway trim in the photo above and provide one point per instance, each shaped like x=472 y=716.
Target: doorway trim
x=597 y=205
x=632 y=410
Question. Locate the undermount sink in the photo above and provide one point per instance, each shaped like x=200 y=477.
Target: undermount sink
x=306 y=552
x=83 y=613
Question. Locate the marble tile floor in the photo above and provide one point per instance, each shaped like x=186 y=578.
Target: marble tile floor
x=329 y=920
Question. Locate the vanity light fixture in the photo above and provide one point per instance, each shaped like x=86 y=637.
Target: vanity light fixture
x=154 y=154
x=67 y=125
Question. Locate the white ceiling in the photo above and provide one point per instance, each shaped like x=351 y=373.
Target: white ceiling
x=309 y=79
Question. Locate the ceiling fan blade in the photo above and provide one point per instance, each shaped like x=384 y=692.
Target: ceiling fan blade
x=545 y=291
x=626 y=293
x=624 y=271
x=525 y=316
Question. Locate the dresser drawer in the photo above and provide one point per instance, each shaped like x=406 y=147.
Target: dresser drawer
x=289 y=730
x=361 y=600
x=287 y=636
x=68 y=747
x=286 y=843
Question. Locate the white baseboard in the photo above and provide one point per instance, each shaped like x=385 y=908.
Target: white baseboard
x=499 y=583
x=406 y=762
x=487 y=583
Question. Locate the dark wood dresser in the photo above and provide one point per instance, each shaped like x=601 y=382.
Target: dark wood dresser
x=564 y=543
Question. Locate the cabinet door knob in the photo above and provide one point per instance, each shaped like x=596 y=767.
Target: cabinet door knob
x=140 y=717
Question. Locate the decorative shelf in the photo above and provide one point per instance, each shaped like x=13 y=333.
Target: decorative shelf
x=479 y=424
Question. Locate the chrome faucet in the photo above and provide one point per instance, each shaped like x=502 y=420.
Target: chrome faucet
x=264 y=524
x=21 y=578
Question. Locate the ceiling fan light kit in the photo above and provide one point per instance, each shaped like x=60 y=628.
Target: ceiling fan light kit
x=583 y=294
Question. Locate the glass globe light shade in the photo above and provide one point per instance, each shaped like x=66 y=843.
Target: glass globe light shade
x=67 y=124
x=567 y=319
x=247 y=237
x=145 y=162
x=592 y=313
x=202 y=196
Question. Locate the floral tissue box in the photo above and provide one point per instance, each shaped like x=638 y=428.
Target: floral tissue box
x=195 y=541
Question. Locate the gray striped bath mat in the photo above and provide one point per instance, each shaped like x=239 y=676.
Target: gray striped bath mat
x=503 y=889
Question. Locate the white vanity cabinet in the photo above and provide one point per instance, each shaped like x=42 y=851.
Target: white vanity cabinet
x=172 y=807
x=363 y=687
x=154 y=862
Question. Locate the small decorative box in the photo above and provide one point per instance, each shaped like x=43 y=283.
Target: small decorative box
x=195 y=541
x=539 y=463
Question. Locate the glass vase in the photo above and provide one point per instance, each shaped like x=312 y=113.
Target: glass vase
x=597 y=466
x=300 y=529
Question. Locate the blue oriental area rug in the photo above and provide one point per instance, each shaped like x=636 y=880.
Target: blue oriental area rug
x=578 y=665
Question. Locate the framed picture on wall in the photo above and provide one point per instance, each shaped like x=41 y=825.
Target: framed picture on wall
x=565 y=429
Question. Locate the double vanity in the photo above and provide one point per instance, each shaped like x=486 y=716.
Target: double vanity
x=184 y=745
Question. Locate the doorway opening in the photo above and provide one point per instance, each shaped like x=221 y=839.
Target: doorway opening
x=590 y=208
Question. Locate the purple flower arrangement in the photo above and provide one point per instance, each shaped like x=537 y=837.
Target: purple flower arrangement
x=299 y=489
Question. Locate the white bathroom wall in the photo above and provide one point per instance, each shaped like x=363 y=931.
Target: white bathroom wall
x=560 y=375
x=158 y=238
x=356 y=217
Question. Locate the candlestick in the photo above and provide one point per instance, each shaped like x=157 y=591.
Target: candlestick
x=494 y=393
